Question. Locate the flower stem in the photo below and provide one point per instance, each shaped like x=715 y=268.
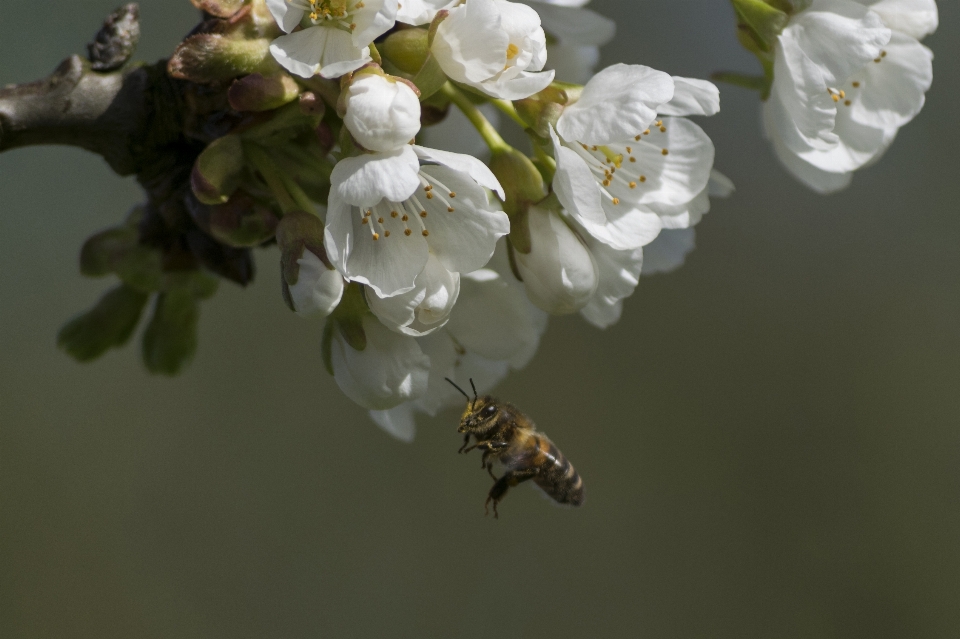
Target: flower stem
x=272 y=176
x=477 y=119
x=507 y=108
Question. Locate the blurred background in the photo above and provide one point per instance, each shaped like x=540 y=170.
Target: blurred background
x=770 y=438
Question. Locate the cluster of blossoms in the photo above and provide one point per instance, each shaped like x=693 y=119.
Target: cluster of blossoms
x=361 y=136
x=431 y=263
x=843 y=77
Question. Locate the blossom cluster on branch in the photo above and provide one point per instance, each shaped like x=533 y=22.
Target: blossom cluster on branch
x=346 y=132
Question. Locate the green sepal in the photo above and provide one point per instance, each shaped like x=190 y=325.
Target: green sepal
x=117 y=251
x=430 y=78
x=763 y=20
x=349 y=316
x=407 y=49
x=524 y=186
x=170 y=340
x=218 y=170
x=107 y=325
x=257 y=92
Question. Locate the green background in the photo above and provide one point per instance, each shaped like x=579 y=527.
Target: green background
x=770 y=438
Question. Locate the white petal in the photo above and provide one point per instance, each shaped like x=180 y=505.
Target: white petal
x=300 y=53
x=559 y=274
x=417 y=12
x=465 y=238
x=577 y=26
x=389 y=371
x=286 y=16
x=618 y=273
x=859 y=145
x=318 y=289
x=465 y=164
x=373 y=20
x=389 y=264
x=616 y=104
x=801 y=112
x=817 y=179
x=891 y=92
x=341 y=55
x=669 y=251
x=575 y=185
x=423 y=309
x=692 y=97
x=470 y=44
x=397 y=421
x=523 y=85
x=366 y=179
x=915 y=18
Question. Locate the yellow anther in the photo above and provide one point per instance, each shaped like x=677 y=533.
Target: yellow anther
x=856 y=85
x=450 y=209
x=363 y=221
x=512 y=51
x=376 y=236
x=616 y=201
x=386 y=233
x=633 y=185
x=423 y=214
x=643 y=178
x=407 y=232
x=404 y=218
x=665 y=152
x=425 y=232
x=453 y=194
x=393 y=214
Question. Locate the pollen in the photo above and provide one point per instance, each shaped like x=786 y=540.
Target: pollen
x=453 y=194
x=407 y=232
x=376 y=236
x=629 y=150
x=429 y=196
x=846 y=102
x=663 y=129
x=386 y=233
x=404 y=218
x=856 y=85
x=425 y=232
x=380 y=220
x=637 y=138
x=665 y=152
x=363 y=221
x=633 y=159
x=643 y=178
x=647 y=132
x=616 y=201
x=512 y=51
x=450 y=209
x=633 y=185
x=423 y=214
x=393 y=214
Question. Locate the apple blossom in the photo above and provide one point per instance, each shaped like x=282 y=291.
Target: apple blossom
x=337 y=38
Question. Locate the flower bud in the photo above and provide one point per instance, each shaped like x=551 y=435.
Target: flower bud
x=107 y=325
x=310 y=285
x=423 y=309
x=213 y=57
x=382 y=112
x=218 y=170
x=559 y=273
x=256 y=92
x=390 y=369
x=240 y=222
x=170 y=339
x=407 y=49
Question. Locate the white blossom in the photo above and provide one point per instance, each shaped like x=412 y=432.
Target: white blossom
x=847 y=75
x=383 y=113
x=318 y=289
x=495 y=46
x=390 y=370
x=337 y=36
x=417 y=12
x=559 y=273
x=622 y=173
x=424 y=308
x=387 y=214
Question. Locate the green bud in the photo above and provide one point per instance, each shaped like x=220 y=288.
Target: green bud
x=540 y=114
x=199 y=284
x=764 y=21
x=240 y=222
x=107 y=325
x=170 y=339
x=523 y=186
x=256 y=92
x=118 y=251
x=218 y=171
x=430 y=78
x=213 y=57
x=407 y=49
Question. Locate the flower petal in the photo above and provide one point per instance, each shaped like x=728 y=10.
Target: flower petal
x=397 y=421
x=915 y=18
x=375 y=18
x=470 y=44
x=890 y=91
x=692 y=97
x=465 y=164
x=300 y=52
x=669 y=251
x=575 y=185
x=618 y=273
x=366 y=179
x=465 y=238
x=523 y=85
x=616 y=104
x=286 y=16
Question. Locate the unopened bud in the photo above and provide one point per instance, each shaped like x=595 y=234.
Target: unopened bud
x=118 y=251
x=407 y=49
x=256 y=92
x=170 y=339
x=310 y=285
x=381 y=111
x=214 y=57
x=312 y=104
x=542 y=110
x=240 y=222
x=218 y=171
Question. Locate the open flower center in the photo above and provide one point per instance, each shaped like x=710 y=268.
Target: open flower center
x=402 y=219
x=336 y=13
x=616 y=167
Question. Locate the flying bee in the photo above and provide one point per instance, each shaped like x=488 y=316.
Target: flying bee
x=507 y=436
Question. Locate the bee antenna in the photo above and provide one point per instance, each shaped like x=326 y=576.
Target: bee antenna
x=462 y=392
x=474 y=387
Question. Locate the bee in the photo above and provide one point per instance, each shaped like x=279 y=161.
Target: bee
x=507 y=436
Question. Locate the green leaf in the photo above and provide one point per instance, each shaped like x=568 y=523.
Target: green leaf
x=107 y=325
x=170 y=340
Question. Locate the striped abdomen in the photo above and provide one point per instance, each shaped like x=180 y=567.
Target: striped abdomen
x=557 y=476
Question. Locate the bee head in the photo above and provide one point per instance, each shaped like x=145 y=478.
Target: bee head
x=481 y=413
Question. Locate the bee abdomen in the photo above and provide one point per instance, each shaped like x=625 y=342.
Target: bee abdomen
x=557 y=477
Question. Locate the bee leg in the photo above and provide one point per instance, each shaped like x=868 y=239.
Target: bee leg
x=466 y=441
x=510 y=478
x=487 y=465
